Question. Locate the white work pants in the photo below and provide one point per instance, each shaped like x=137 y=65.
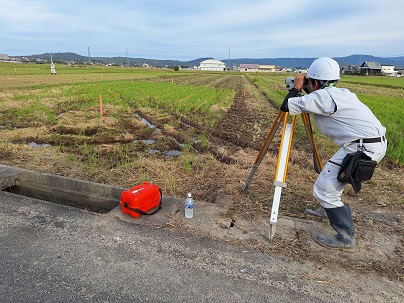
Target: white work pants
x=327 y=189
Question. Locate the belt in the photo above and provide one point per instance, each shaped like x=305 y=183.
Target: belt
x=371 y=140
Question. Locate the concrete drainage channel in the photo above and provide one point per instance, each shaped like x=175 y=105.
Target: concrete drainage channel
x=76 y=193
x=208 y=217
x=105 y=199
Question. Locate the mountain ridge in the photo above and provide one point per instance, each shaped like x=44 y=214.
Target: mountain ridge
x=356 y=59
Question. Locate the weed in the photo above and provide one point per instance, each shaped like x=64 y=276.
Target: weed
x=188 y=161
x=203 y=139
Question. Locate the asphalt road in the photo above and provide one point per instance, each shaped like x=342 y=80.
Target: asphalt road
x=55 y=253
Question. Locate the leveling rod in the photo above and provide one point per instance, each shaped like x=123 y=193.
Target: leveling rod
x=280 y=171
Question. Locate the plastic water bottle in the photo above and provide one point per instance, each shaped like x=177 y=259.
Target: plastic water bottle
x=189 y=206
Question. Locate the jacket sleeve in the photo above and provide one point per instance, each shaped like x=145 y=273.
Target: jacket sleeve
x=292 y=93
x=319 y=102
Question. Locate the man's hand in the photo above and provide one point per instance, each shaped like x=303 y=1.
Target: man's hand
x=299 y=81
x=295 y=91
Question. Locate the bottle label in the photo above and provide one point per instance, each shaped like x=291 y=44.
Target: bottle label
x=189 y=206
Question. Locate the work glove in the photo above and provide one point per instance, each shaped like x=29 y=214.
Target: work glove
x=292 y=93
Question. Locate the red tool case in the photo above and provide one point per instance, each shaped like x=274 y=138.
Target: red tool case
x=139 y=200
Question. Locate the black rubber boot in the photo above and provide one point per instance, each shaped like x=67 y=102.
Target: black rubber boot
x=341 y=220
x=320 y=212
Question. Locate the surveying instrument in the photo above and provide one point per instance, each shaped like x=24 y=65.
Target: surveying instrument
x=283 y=156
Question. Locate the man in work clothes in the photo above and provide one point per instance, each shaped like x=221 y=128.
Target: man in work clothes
x=340 y=115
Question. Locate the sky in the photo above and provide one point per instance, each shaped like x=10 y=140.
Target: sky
x=189 y=29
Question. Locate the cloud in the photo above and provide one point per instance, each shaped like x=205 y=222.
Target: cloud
x=189 y=29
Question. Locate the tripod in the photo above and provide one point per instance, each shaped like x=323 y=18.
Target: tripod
x=283 y=159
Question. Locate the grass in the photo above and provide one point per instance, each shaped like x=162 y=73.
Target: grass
x=31 y=96
x=63 y=110
x=66 y=109
x=377 y=81
x=121 y=88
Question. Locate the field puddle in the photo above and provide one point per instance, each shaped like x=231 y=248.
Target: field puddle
x=167 y=153
x=148 y=141
x=147 y=123
x=172 y=153
x=9 y=127
x=178 y=143
x=33 y=144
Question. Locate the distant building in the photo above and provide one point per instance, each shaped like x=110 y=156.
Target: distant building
x=212 y=65
x=249 y=67
x=268 y=68
x=388 y=70
x=6 y=58
x=258 y=68
x=371 y=68
x=301 y=70
x=286 y=70
x=349 y=70
x=400 y=71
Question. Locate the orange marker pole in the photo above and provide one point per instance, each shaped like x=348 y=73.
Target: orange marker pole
x=101 y=105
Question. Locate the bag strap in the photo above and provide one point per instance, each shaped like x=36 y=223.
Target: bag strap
x=334 y=163
x=141 y=212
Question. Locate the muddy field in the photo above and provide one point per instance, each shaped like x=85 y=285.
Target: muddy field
x=181 y=154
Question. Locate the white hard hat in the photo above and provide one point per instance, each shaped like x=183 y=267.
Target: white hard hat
x=324 y=68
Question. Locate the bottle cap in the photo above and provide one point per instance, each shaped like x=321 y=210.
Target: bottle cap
x=189 y=195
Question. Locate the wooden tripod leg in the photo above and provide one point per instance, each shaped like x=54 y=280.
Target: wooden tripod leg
x=264 y=149
x=280 y=172
x=318 y=167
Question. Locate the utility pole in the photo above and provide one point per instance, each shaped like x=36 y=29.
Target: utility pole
x=88 y=56
x=229 y=62
x=127 y=60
